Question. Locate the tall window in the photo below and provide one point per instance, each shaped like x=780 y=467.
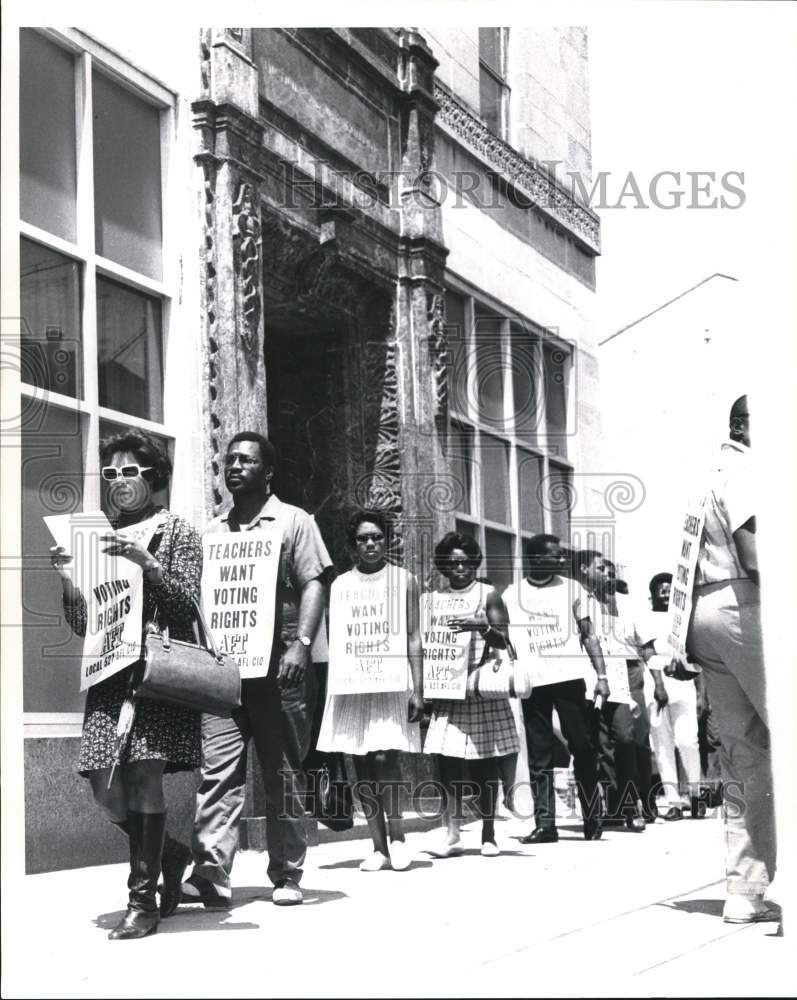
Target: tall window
x=509 y=432
x=493 y=87
x=93 y=144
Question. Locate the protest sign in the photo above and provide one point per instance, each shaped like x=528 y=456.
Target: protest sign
x=239 y=589
x=368 y=632
x=543 y=631
x=683 y=578
x=111 y=586
x=445 y=651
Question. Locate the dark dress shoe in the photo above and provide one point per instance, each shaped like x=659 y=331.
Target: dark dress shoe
x=200 y=890
x=636 y=823
x=593 y=829
x=674 y=812
x=135 y=924
x=542 y=835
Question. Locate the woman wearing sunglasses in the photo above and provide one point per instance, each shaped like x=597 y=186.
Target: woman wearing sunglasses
x=163 y=738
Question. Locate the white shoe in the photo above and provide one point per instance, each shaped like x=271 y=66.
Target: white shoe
x=490 y=849
x=375 y=862
x=287 y=893
x=446 y=849
x=400 y=856
x=740 y=909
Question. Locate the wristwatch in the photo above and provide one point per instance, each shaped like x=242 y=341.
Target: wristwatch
x=305 y=640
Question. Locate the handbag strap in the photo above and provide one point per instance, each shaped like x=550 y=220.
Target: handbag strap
x=202 y=634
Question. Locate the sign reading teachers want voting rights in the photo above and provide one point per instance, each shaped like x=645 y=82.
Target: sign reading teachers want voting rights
x=445 y=651
x=368 y=632
x=111 y=587
x=543 y=630
x=239 y=587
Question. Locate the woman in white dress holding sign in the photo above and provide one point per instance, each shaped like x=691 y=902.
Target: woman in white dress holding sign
x=375 y=651
x=476 y=740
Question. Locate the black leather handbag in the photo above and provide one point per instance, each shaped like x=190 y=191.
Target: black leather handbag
x=329 y=796
x=191 y=675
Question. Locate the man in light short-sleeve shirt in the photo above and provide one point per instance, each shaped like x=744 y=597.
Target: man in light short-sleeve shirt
x=725 y=639
x=276 y=710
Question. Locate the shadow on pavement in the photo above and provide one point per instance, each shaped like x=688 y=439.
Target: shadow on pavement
x=213 y=920
x=200 y=917
x=355 y=863
x=711 y=907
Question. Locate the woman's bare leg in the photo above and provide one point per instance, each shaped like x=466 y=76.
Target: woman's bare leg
x=373 y=806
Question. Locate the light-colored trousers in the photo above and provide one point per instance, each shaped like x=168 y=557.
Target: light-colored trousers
x=725 y=639
x=675 y=726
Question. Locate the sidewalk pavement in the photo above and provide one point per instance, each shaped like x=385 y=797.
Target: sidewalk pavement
x=629 y=915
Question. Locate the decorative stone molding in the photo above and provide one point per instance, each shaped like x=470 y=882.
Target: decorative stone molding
x=246 y=255
x=380 y=487
x=212 y=343
x=438 y=353
x=528 y=177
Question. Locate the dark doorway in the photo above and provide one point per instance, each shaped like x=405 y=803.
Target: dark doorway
x=307 y=418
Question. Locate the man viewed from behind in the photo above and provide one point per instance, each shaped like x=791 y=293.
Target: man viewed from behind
x=725 y=639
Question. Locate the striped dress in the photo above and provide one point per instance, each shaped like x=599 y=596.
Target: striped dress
x=363 y=723
x=475 y=728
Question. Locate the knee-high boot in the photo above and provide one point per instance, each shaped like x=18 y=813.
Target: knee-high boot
x=176 y=858
x=147 y=831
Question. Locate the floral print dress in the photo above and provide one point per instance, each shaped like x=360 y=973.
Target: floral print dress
x=160 y=732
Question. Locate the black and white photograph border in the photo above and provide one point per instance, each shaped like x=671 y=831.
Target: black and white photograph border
x=506 y=282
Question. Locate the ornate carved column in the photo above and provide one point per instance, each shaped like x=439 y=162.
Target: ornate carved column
x=230 y=140
x=420 y=320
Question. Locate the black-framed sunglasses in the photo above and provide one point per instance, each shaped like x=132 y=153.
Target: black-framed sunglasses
x=110 y=473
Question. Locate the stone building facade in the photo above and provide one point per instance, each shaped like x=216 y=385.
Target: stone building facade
x=359 y=252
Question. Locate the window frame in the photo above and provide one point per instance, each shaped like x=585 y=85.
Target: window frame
x=500 y=78
x=90 y=55
x=548 y=454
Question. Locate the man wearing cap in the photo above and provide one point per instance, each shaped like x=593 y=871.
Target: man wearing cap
x=276 y=710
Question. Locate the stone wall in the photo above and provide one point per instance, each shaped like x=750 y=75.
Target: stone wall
x=549 y=106
x=547 y=70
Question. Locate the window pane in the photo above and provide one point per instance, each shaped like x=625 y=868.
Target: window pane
x=127 y=178
x=495 y=478
x=559 y=500
x=466 y=528
x=457 y=346
x=52 y=356
x=490 y=48
x=52 y=483
x=109 y=427
x=529 y=476
x=556 y=362
x=526 y=384
x=490 y=97
x=47 y=135
x=460 y=463
x=499 y=557
x=129 y=351
x=489 y=370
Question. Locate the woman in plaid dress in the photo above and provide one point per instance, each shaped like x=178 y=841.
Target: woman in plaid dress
x=475 y=740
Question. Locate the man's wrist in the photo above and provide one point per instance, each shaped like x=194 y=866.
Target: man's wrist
x=602 y=677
